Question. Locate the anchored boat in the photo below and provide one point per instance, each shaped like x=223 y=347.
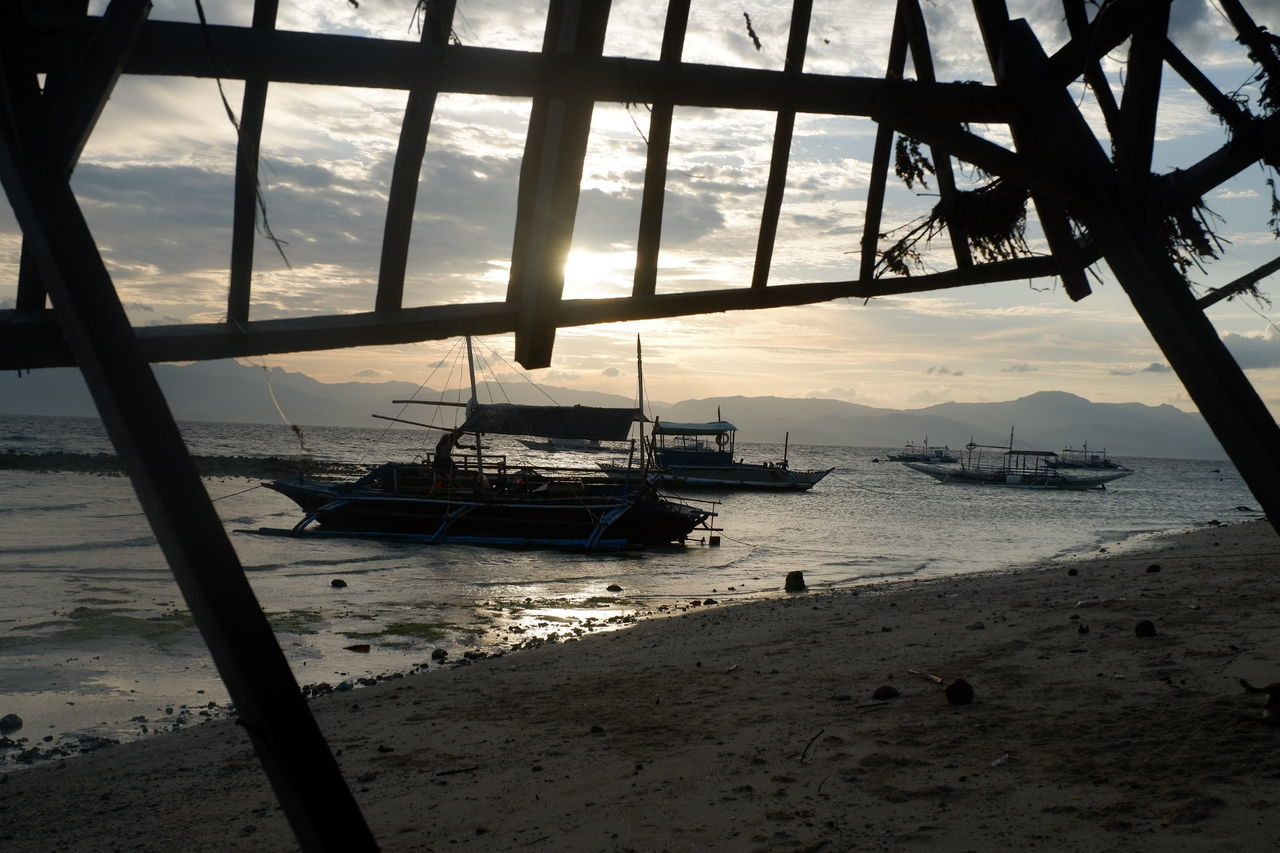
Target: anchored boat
x=998 y=465
x=482 y=498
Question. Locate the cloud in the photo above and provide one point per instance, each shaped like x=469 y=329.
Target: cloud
x=371 y=373
x=943 y=371
x=1022 y=367
x=1236 y=194
x=1255 y=352
x=1156 y=367
x=611 y=372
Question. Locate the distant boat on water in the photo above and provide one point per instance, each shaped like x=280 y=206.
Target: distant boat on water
x=703 y=455
x=1085 y=458
x=999 y=465
x=924 y=453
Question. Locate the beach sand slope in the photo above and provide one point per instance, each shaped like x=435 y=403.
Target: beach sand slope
x=753 y=727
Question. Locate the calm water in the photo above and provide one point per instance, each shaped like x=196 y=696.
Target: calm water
x=95 y=638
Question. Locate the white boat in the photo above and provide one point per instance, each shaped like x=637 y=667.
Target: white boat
x=1004 y=466
x=924 y=453
x=1085 y=458
x=702 y=455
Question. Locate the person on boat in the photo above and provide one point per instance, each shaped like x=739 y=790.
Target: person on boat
x=442 y=461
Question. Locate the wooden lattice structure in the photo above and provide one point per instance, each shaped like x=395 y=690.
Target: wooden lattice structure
x=1094 y=203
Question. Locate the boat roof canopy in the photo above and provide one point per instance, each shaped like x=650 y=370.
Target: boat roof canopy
x=712 y=428
x=592 y=422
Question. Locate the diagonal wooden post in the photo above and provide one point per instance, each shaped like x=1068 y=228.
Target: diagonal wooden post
x=1122 y=226
x=271 y=708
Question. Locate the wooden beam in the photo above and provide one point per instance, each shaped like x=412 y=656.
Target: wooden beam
x=881 y=153
x=550 y=181
x=1132 y=147
x=171 y=48
x=403 y=194
x=1239 y=285
x=1111 y=28
x=80 y=102
x=248 y=187
x=648 y=241
x=993 y=20
x=1257 y=140
x=269 y=705
x=922 y=61
x=1122 y=228
x=24 y=116
x=783 y=130
x=1227 y=109
x=1083 y=34
x=34 y=339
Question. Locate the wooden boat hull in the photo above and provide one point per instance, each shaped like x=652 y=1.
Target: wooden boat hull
x=1017 y=479
x=588 y=517
x=741 y=477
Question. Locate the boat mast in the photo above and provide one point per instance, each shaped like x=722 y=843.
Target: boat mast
x=474 y=402
x=640 y=403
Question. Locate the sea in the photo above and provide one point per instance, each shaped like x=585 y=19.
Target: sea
x=97 y=645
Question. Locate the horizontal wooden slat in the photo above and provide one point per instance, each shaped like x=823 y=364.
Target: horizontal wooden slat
x=177 y=49
x=34 y=339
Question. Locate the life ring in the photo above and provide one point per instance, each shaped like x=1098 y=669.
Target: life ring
x=722 y=438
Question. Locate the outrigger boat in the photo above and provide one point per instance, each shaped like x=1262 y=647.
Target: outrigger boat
x=924 y=453
x=480 y=498
x=1007 y=467
x=1085 y=458
x=702 y=455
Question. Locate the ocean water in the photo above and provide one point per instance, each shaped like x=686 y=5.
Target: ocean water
x=96 y=644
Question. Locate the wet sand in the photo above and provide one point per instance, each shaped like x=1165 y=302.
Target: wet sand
x=753 y=727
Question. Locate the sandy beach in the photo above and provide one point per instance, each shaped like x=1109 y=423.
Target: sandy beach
x=754 y=727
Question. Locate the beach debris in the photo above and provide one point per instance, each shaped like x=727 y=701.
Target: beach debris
x=927 y=676
x=885 y=691
x=338 y=583
x=1154 y=567
x=1270 y=706
x=358 y=647
x=1145 y=628
x=10 y=723
x=959 y=692
x=795 y=582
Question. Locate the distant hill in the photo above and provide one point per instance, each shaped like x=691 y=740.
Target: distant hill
x=1049 y=420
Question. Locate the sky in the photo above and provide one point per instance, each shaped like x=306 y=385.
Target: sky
x=155 y=184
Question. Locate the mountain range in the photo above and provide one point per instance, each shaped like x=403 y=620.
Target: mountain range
x=227 y=391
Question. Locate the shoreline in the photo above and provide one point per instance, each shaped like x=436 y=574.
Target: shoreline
x=752 y=726
x=23 y=748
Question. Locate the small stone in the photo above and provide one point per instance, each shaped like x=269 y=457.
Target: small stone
x=885 y=691
x=1073 y=572
x=795 y=582
x=10 y=723
x=1153 y=568
x=1145 y=628
x=337 y=583
x=439 y=654
x=613 y=587
x=363 y=648
x=976 y=626
x=959 y=692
